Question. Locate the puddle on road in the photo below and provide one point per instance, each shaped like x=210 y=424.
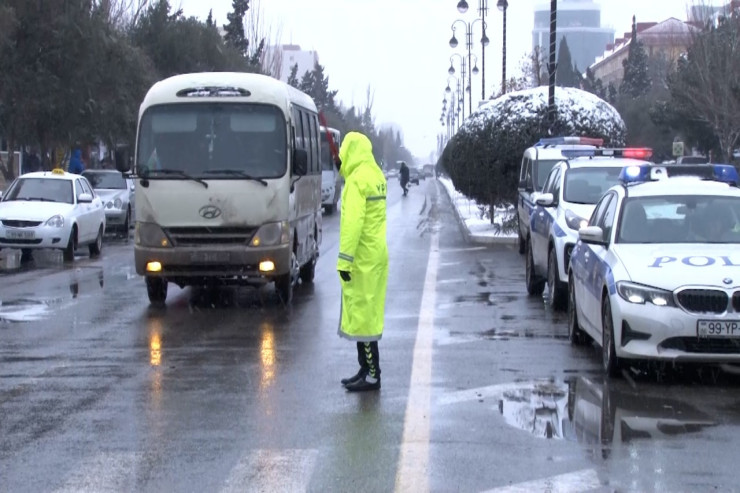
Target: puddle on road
x=591 y=412
x=27 y=310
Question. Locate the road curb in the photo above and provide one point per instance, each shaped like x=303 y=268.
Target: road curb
x=473 y=238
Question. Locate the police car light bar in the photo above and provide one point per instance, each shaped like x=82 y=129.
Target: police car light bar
x=570 y=140
x=628 y=152
x=725 y=173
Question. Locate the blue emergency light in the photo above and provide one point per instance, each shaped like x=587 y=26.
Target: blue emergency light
x=570 y=140
x=725 y=173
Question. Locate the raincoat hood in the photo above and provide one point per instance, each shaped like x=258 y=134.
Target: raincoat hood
x=356 y=149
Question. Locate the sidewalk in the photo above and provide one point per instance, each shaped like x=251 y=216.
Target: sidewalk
x=475 y=226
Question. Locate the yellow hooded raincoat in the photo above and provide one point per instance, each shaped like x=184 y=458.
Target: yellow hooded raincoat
x=363 y=251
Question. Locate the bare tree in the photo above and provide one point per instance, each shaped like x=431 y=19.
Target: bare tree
x=705 y=85
x=258 y=33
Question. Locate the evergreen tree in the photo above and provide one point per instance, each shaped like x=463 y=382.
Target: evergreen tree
x=636 y=81
x=234 y=30
x=209 y=20
x=593 y=85
x=611 y=93
x=293 y=77
x=564 y=75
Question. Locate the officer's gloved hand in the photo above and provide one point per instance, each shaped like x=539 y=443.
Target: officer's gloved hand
x=345 y=276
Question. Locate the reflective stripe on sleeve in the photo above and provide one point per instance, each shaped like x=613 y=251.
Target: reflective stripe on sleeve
x=376 y=197
x=348 y=258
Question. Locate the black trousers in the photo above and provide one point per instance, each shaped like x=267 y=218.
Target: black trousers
x=369 y=358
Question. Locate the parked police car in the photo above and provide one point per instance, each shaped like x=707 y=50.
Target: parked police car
x=537 y=162
x=568 y=198
x=656 y=273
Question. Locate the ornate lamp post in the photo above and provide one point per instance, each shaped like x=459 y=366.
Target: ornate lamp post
x=502 y=6
x=469 y=46
x=463 y=74
x=462 y=7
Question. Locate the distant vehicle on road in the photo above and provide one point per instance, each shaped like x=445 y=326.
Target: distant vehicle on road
x=331 y=180
x=414 y=175
x=429 y=170
x=118 y=195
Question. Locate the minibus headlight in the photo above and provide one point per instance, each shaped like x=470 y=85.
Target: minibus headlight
x=271 y=234
x=151 y=235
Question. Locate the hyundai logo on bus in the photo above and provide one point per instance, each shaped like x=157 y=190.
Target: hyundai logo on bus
x=209 y=212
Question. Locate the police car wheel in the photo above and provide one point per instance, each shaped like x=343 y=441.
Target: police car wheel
x=522 y=243
x=535 y=286
x=612 y=364
x=575 y=333
x=556 y=290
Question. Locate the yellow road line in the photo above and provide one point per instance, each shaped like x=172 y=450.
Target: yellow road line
x=413 y=464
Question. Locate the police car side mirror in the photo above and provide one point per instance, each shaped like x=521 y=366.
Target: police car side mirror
x=300 y=162
x=85 y=198
x=593 y=235
x=545 y=200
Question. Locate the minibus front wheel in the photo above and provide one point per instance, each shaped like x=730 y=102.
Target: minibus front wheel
x=284 y=283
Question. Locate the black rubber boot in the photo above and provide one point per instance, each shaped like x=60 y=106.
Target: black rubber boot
x=354 y=377
x=369 y=375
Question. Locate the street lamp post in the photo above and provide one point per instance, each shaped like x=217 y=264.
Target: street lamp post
x=463 y=74
x=469 y=46
x=502 y=6
x=462 y=7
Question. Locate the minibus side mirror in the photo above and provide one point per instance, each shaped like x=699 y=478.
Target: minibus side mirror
x=121 y=158
x=300 y=162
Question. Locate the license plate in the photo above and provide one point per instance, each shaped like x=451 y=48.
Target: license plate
x=718 y=328
x=19 y=234
x=210 y=257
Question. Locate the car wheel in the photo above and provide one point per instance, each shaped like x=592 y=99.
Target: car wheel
x=556 y=293
x=284 y=283
x=68 y=254
x=309 y=269
x=576 y=335
x=156 y=289
x=535 y=286
x=126 y=225
x=612 y=364
x=522 y=243
x=97 y=247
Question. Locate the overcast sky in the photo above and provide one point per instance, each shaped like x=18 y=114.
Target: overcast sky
x=399 y=48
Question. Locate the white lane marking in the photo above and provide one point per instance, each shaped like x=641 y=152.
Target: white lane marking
x=104 y=472
x=272 y=470
x=413 y=463
x=572 y=482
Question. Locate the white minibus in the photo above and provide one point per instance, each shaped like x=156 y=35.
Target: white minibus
x=228 y=183
x=331 y=181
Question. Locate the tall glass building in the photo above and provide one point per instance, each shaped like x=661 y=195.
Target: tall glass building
x=579 y=21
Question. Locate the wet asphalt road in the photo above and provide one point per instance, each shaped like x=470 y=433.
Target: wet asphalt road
x=228 y=391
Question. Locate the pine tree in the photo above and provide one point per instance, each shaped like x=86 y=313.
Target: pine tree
x=636 y=81
x=593 y=85
x=209 y=20
x=564 y=75
x=234 y=30
x=293 y=77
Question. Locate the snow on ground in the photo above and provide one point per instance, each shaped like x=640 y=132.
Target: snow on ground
x=473 y=215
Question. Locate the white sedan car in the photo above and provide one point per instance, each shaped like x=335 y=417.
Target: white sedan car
x=52 y=209
x=654 y=275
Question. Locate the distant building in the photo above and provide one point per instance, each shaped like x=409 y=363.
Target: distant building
x=667 y=39
x=579 y=21
x=279 y=61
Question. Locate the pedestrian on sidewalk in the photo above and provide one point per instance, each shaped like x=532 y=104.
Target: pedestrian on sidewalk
x=363 y=257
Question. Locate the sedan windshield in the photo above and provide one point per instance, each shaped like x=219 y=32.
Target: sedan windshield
x=41 y=189
x=197 y=138
x=680 y=219
x=587 y=185
x=105 y=180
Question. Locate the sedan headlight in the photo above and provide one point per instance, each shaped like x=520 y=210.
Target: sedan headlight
x=641 y=294
x=272 y=234
x=574 y=221
x=118 y=203
x=151 y=235
x=55 y=222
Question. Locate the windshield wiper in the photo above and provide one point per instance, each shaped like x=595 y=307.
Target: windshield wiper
x=237 y=172
x=178 y=172
x=40 y=199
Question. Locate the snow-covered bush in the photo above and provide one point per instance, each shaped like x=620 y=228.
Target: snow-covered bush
x=484 y=156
